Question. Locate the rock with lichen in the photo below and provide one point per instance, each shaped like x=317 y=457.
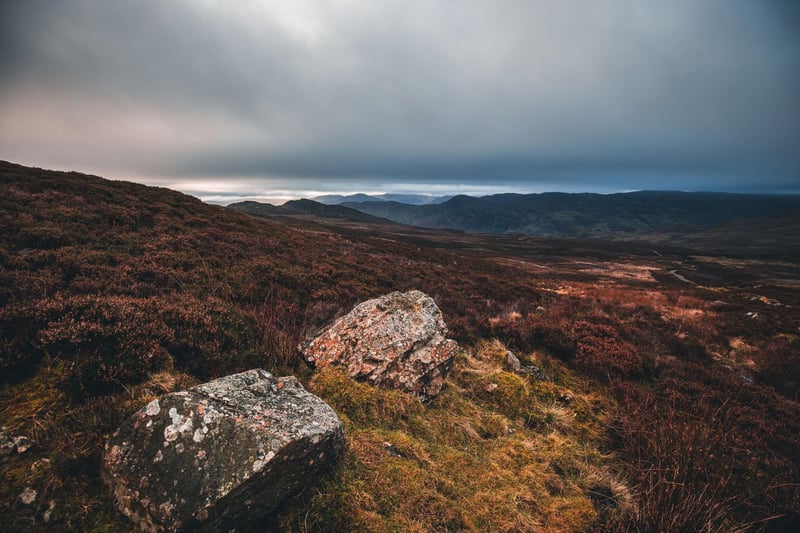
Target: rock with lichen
x=397 y=340
x=222 y=453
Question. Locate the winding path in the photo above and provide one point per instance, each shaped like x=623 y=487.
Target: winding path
x=681 y=277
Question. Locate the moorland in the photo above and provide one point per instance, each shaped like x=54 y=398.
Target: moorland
x=672 y=404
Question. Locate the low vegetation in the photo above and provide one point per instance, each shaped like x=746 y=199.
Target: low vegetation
x=671 y=406
x=494 y=452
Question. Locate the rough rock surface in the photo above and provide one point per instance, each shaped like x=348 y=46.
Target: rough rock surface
x=221 y=454
x=398 y=340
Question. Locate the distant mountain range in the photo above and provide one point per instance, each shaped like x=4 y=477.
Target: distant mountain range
x=587 y=215
x=411 y=199
x=716 y=222
x=305 y=207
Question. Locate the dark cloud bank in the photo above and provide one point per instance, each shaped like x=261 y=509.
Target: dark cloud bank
x=237 y=98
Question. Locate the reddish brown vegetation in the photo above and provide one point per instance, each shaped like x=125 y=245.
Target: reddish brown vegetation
x=105 y=283
x=601 y=350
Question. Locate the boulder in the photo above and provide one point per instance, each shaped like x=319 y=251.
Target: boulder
x=398 y=340
x=224 y=453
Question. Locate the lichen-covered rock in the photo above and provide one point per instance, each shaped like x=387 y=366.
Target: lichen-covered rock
x=221 y=454
x=398 y=340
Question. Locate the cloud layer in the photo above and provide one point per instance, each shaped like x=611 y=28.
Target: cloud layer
x=529 y=95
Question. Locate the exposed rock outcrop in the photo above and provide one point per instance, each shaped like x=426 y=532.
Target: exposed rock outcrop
x=225 y=452
x=398 y=340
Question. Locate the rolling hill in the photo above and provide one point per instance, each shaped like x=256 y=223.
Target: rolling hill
x=304 y=207
x=588 y=215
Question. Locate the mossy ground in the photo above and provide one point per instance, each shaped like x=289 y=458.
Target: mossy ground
x=513 y=459
x=62 y=466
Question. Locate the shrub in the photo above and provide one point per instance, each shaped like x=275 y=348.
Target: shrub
x=109 y=342
x=280 y=326
x=20 y=352
x=209 y=337
x=680 y=461
x=545 y=331
x=602 y=351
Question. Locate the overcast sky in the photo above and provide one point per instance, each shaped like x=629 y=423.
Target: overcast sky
x=262 y=98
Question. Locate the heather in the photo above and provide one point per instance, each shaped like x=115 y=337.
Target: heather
x=670 y=406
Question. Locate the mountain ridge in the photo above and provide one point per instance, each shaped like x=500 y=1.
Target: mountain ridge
x=306 y=207
x=410 y=199
x=586 y=215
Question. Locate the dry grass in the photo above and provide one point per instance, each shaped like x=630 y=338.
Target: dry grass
x=67 y=443
x=471 y=460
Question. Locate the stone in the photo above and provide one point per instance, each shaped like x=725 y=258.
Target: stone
x=398 y=340
x=28 y=496
x=512 y=362
x=393 y=450
x=224 y=453
x=514 y=365
x=10 y=445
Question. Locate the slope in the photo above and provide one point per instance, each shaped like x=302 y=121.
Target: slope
x=305 y=207
x=113 y=293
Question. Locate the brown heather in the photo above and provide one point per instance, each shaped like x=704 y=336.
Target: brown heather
x=671 y=406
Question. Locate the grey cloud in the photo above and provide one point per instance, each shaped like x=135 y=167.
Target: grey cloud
x=581 y=93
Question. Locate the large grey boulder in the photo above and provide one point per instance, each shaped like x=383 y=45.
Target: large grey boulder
x=221 y=454
x=398 y=340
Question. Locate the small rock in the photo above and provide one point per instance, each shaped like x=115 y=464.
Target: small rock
x=398 y=340
x=491 y=387
x=22 y=444
x=10 y=445
x=28 y=496
x=392 y=449
x=40 y=464
x=49 y=512
x=513 y=364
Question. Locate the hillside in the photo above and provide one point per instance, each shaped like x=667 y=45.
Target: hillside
x=644 y=214
x=305 y=207
x=672 y=403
